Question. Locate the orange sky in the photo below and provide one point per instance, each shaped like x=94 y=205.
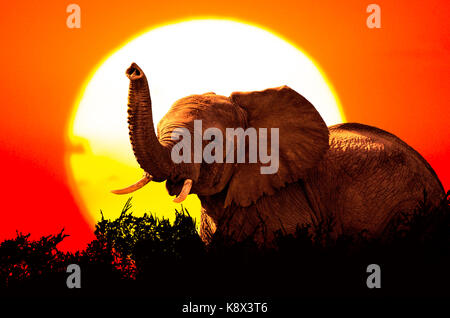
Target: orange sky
x=395 y=78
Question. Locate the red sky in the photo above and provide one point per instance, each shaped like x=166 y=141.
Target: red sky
x=395 y=78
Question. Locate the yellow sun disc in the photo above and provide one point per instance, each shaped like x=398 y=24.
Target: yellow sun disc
x=180 y=59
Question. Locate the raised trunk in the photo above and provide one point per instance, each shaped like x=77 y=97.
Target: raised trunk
x=150 y=154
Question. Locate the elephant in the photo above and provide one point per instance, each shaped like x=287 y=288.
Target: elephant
x=359 y=176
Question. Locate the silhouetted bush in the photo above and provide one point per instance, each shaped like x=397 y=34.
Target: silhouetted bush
x=141 y=256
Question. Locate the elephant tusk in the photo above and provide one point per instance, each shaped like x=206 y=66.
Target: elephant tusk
x=145 y=179
x=184 y=192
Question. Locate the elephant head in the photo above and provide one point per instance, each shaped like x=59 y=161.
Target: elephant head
x=303 y=140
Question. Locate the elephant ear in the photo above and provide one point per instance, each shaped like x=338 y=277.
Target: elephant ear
x=303 y=141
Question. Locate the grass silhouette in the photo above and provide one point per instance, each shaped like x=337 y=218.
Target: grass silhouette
x=150 y=256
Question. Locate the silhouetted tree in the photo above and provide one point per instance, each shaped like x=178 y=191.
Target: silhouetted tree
x=147 y=255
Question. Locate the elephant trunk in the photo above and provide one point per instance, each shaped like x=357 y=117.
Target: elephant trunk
x=153 y=157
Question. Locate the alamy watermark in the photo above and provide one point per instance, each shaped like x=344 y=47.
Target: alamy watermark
x=374 y=279
x=74 y=279
x=373 y=21
x=73 y=20
x=214 y=151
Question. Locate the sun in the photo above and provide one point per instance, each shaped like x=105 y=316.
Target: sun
x=180 y=59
